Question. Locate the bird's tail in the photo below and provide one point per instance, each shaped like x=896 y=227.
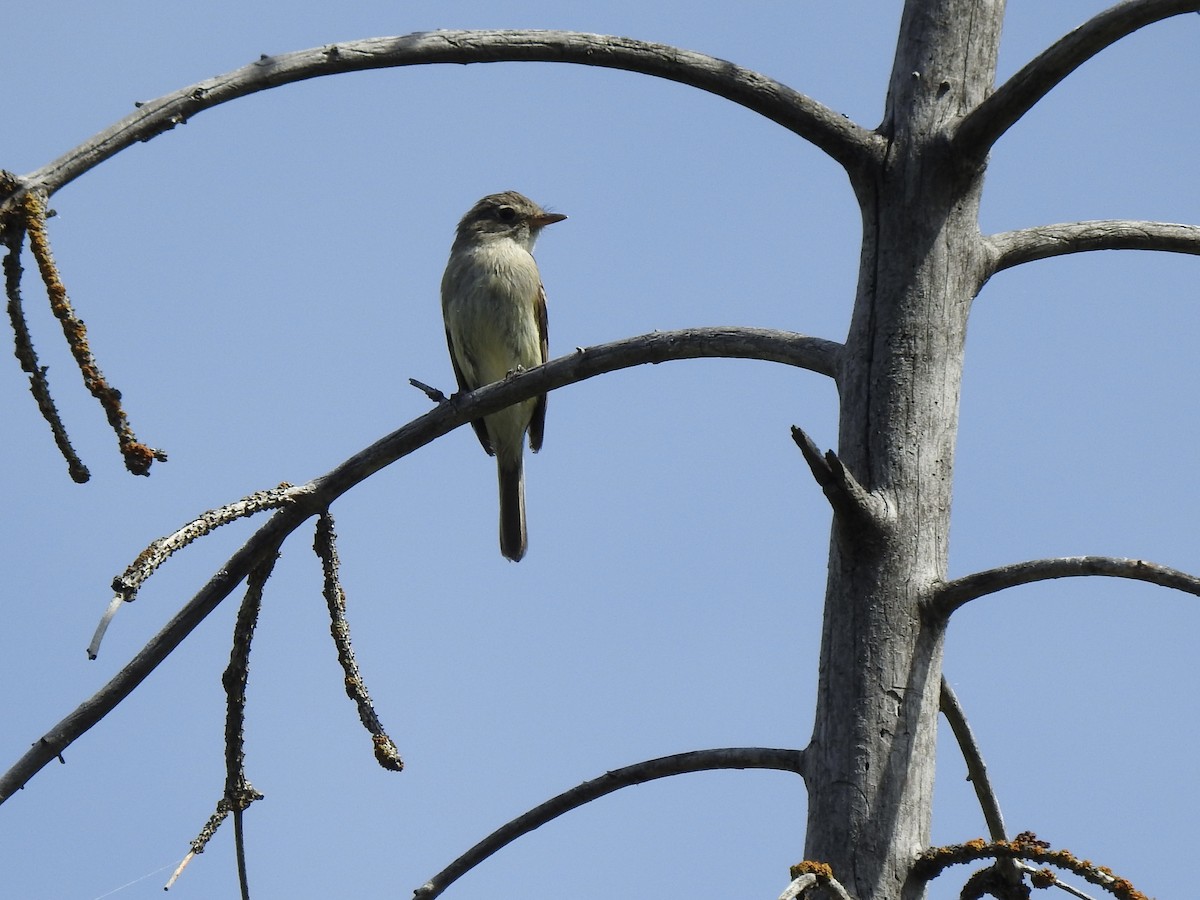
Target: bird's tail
x=512 y=508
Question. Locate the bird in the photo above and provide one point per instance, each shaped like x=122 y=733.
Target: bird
x=494 y=308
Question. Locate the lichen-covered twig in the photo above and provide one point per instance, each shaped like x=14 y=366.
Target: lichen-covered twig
x=138 y=456
x=239 y=793
x=127 y=584
x=325 y=545
x=1025 y=846
x=13 y=230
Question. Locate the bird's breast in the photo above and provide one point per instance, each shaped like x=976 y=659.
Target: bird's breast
x=489 y=298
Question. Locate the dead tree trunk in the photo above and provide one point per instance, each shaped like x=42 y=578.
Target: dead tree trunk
x=871 y=760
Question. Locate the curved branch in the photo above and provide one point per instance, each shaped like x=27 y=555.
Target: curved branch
x=954 y=594
x=982 y=127
x=1014 y=248
x=310 y=499
x=848 y=143
x=638 y=773
x=1025 y=846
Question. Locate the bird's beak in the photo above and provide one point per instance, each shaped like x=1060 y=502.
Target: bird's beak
x=547 y=219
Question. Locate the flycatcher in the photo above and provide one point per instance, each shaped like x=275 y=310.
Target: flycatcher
x=494 y=307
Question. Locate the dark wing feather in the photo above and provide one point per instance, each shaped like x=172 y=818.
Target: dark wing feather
x=463 y=388
x=537 y=422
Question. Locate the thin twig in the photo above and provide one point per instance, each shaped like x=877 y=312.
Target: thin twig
x=1046 y=874
x=638 y=773
x=429 y=391
x=183 y=864
x=976 y=768
x=239 y=844
x=954 y=594
x=1006 y=874
x=325 y=545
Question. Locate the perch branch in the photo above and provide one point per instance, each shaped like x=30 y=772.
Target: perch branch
x=954 y=594
x=638 y=773
x=851 y=145
x=984 y=125
x=308 y=500
x=1014 y=248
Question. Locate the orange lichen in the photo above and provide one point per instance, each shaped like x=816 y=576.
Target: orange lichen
x=809 y=867
x=138 y=457
x=1024 y=846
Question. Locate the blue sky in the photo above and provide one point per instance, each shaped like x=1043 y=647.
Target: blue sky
x=262 y=282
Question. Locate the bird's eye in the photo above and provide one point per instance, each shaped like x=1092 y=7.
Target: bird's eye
x=506 y=214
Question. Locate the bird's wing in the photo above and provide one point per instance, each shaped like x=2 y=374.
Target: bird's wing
x=463 y=388
x=537 y=422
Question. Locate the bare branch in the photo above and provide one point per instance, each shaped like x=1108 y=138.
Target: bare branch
x=1014 y=248
x=308 y=500
x=848 y=143
x=856 y=508
x=638 y=773
x=982 y=127
x=954 y=594
x=976 y=768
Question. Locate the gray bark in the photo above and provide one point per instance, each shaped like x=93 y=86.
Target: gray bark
x=871 y=760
